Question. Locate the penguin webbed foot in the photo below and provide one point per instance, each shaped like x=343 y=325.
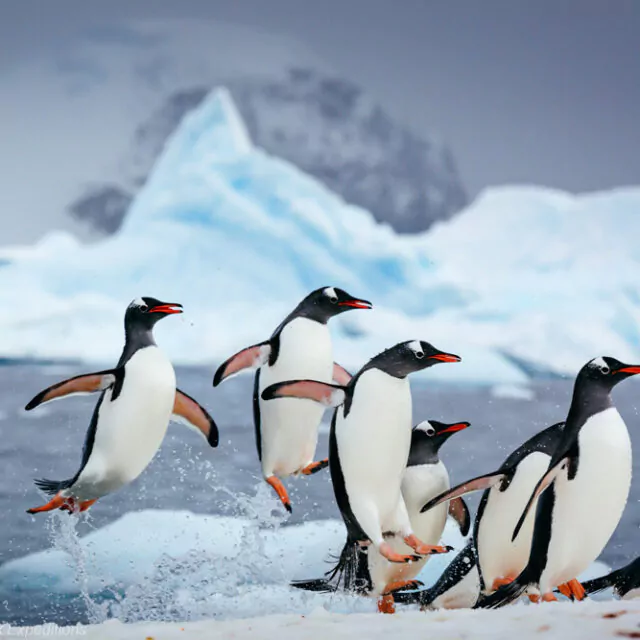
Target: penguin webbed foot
x=392 y=556
x=572 y=590
x=314 y=467
x=425 y=549
x=280 y=490
x=402 y=585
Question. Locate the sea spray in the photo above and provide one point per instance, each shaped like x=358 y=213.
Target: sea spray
x=62 y=528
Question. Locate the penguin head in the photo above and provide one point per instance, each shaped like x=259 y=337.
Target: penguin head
x=145 y=312
x=410 y=356
x=427 y=437
x=324 y=303
x=606 y=372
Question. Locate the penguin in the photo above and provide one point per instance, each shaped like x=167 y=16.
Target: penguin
x=582 y=493
x=369 y=445
x=506 y=492
x=624 y=581
x=137 y=400
x=457 y=588
x=286 y=431
x=425 y=476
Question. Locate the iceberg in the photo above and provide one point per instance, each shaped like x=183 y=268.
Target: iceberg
x=524 y=280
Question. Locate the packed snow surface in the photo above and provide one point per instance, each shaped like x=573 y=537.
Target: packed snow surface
x=582 y=621
x=524 y=281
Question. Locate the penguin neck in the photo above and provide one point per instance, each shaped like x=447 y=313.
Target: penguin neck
x=136 y=337
x=588 y=400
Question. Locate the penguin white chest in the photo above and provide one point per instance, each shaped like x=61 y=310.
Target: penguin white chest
x=498 y=556
x=131 y=428
x=289 y=426
x=373 y=445
x=588 y=508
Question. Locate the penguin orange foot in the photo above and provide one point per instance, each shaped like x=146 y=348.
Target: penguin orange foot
x=57 y=502
x=424 y=549
x=399 y=585
x=549 y=597
x=387 y=552
x=386 y=604
x=572 y=589
x=314 y=467
x=500 y=582
x=278 y=487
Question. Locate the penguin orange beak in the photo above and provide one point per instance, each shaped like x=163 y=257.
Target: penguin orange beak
x=168 y=307
x=446 y=357
x=356 y=304
x=458 y=426
x=630 y=370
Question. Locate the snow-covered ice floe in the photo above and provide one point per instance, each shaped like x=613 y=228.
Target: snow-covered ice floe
x=526 y=281
x=178 y=566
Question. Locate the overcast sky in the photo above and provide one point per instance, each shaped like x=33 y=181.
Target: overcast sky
x=542 y=91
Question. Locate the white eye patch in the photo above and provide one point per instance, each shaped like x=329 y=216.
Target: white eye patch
x=426 y=427
x=330 y=292
x=416 y=347
x=138 y=302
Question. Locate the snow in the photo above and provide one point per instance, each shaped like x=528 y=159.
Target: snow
x=583 y=621
x=526 y=279
x=204 y=566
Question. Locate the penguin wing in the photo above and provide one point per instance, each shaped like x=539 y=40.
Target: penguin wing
x=543 y=483
x=459 y=511
x=188 y=412
x=249 y=358
x=330 y=395
x=475 y=484
x=341 y=375
x=86 y=383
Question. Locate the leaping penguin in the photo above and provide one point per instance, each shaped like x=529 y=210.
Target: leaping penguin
x=582 y=493
x=625 y=582
x=425 y=476
x=300 y=347
x=506 y=492
x=457 y=588
x=137 y=399
x=369 y=444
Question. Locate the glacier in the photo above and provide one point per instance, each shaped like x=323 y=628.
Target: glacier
x=524 y=280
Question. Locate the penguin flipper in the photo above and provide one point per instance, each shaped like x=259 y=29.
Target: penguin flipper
x=479 y=483
x=543 y=483
x=85 y=383
x=330 y=395
x=188 y=412
x=459 y=511
x=250 y=358
x=599 y=584
x=341 y=375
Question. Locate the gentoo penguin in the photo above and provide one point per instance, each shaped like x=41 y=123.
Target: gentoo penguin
x=300 y=347
x=457 y=588
x=625 y=582
x=506 y=492
x=424 y=477
x=137 y=399
x=369 y=444
x=582 y=493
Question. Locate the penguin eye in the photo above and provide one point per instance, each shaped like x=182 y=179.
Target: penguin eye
x=430 y=431
x=333 y=299
x=605 y=369
x=419 y=355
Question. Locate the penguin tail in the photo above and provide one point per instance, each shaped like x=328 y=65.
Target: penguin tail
x=507 y=593
x=319 y=585
x=599 y=584
x=51 y=487
x=423 y=597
